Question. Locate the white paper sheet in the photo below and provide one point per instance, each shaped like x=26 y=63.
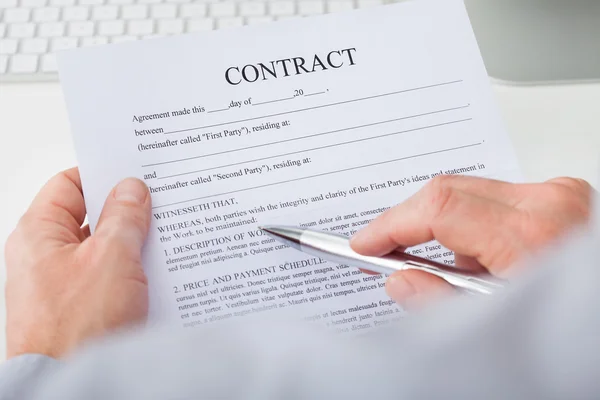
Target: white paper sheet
x=338 y=117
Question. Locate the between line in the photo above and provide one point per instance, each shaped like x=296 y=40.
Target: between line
x=316 y=107
x=319 y=175
x=308 y=136
x=319 y=148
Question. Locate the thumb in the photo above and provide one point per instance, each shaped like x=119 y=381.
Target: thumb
x=125 y=218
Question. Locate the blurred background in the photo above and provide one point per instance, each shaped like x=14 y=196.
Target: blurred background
x=543 y=58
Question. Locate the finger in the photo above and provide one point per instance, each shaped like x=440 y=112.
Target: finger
x=379 y=236
x=576 y=195
x=466 y=224
x=58 y=210
x=494 y=190
x=63 y=192
x=468 y=263
x=579 y=186
x=506 y=193
x=427 y=215
x=413 y=288
x=125 y=219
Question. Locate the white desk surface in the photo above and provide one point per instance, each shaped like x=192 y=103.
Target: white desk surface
x=555 y=131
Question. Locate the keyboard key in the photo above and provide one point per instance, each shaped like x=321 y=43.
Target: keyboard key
x=63 y=43
x=121 y=39
x=111 y=28
x=8 y=46
x=120 y=1
x=94 y=41
x=288 y=17
x=7 y=4
x=199 y=24
x=23 y=64
x=34 y=46
x=163 y=11
x=46 y=14
x=253 y=9
x=369 y=3
x=193 y=10
x=33 y=3
x=170 y=26
x=79 y=13
x=140 y=28
x=311 y=7
x=339 y=6
x=230 y=22
x=220 y=10
x=3 y=64
x=62 y=3
x=51 y=29
x=138 y=11
x=149 y=1
x=81 y=28
x=2 y=30
x=102 y=13
x=91 y=2
x=49 y=63
x=258 y=20
x=23 y=30
x=12 y=15
x=281 y=7
x=153 y=36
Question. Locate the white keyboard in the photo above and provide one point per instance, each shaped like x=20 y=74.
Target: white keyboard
x=32 y=31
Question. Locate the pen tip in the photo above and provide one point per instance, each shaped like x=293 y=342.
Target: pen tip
x=265 y=228
x=288 y=235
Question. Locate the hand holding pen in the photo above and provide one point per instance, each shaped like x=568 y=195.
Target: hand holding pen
x=488 y=224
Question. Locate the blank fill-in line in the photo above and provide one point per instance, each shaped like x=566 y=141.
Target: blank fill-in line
x=272 y=101
x=323 y=174
x=219 y=110
x=308 y=136
x=316 y=107
x=314 y=94
x=319 y=148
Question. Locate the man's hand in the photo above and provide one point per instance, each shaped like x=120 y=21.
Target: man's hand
x=65 y=286
x=488 y=224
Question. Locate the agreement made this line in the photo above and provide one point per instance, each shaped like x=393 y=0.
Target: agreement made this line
x=315 y=107
x=318 y=148
x=307 y=136
x=319 y=175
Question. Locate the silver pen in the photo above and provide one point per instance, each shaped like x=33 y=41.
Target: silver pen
x=336 y=248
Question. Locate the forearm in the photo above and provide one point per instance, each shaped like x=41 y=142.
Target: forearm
x=20 y=376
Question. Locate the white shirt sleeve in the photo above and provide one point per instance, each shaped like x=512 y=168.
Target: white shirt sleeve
x=20 y=376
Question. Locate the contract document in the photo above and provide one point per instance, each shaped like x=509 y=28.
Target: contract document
x=322 y=122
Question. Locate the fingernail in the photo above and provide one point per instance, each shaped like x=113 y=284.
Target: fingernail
x=398 y=288
x=131 y=190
